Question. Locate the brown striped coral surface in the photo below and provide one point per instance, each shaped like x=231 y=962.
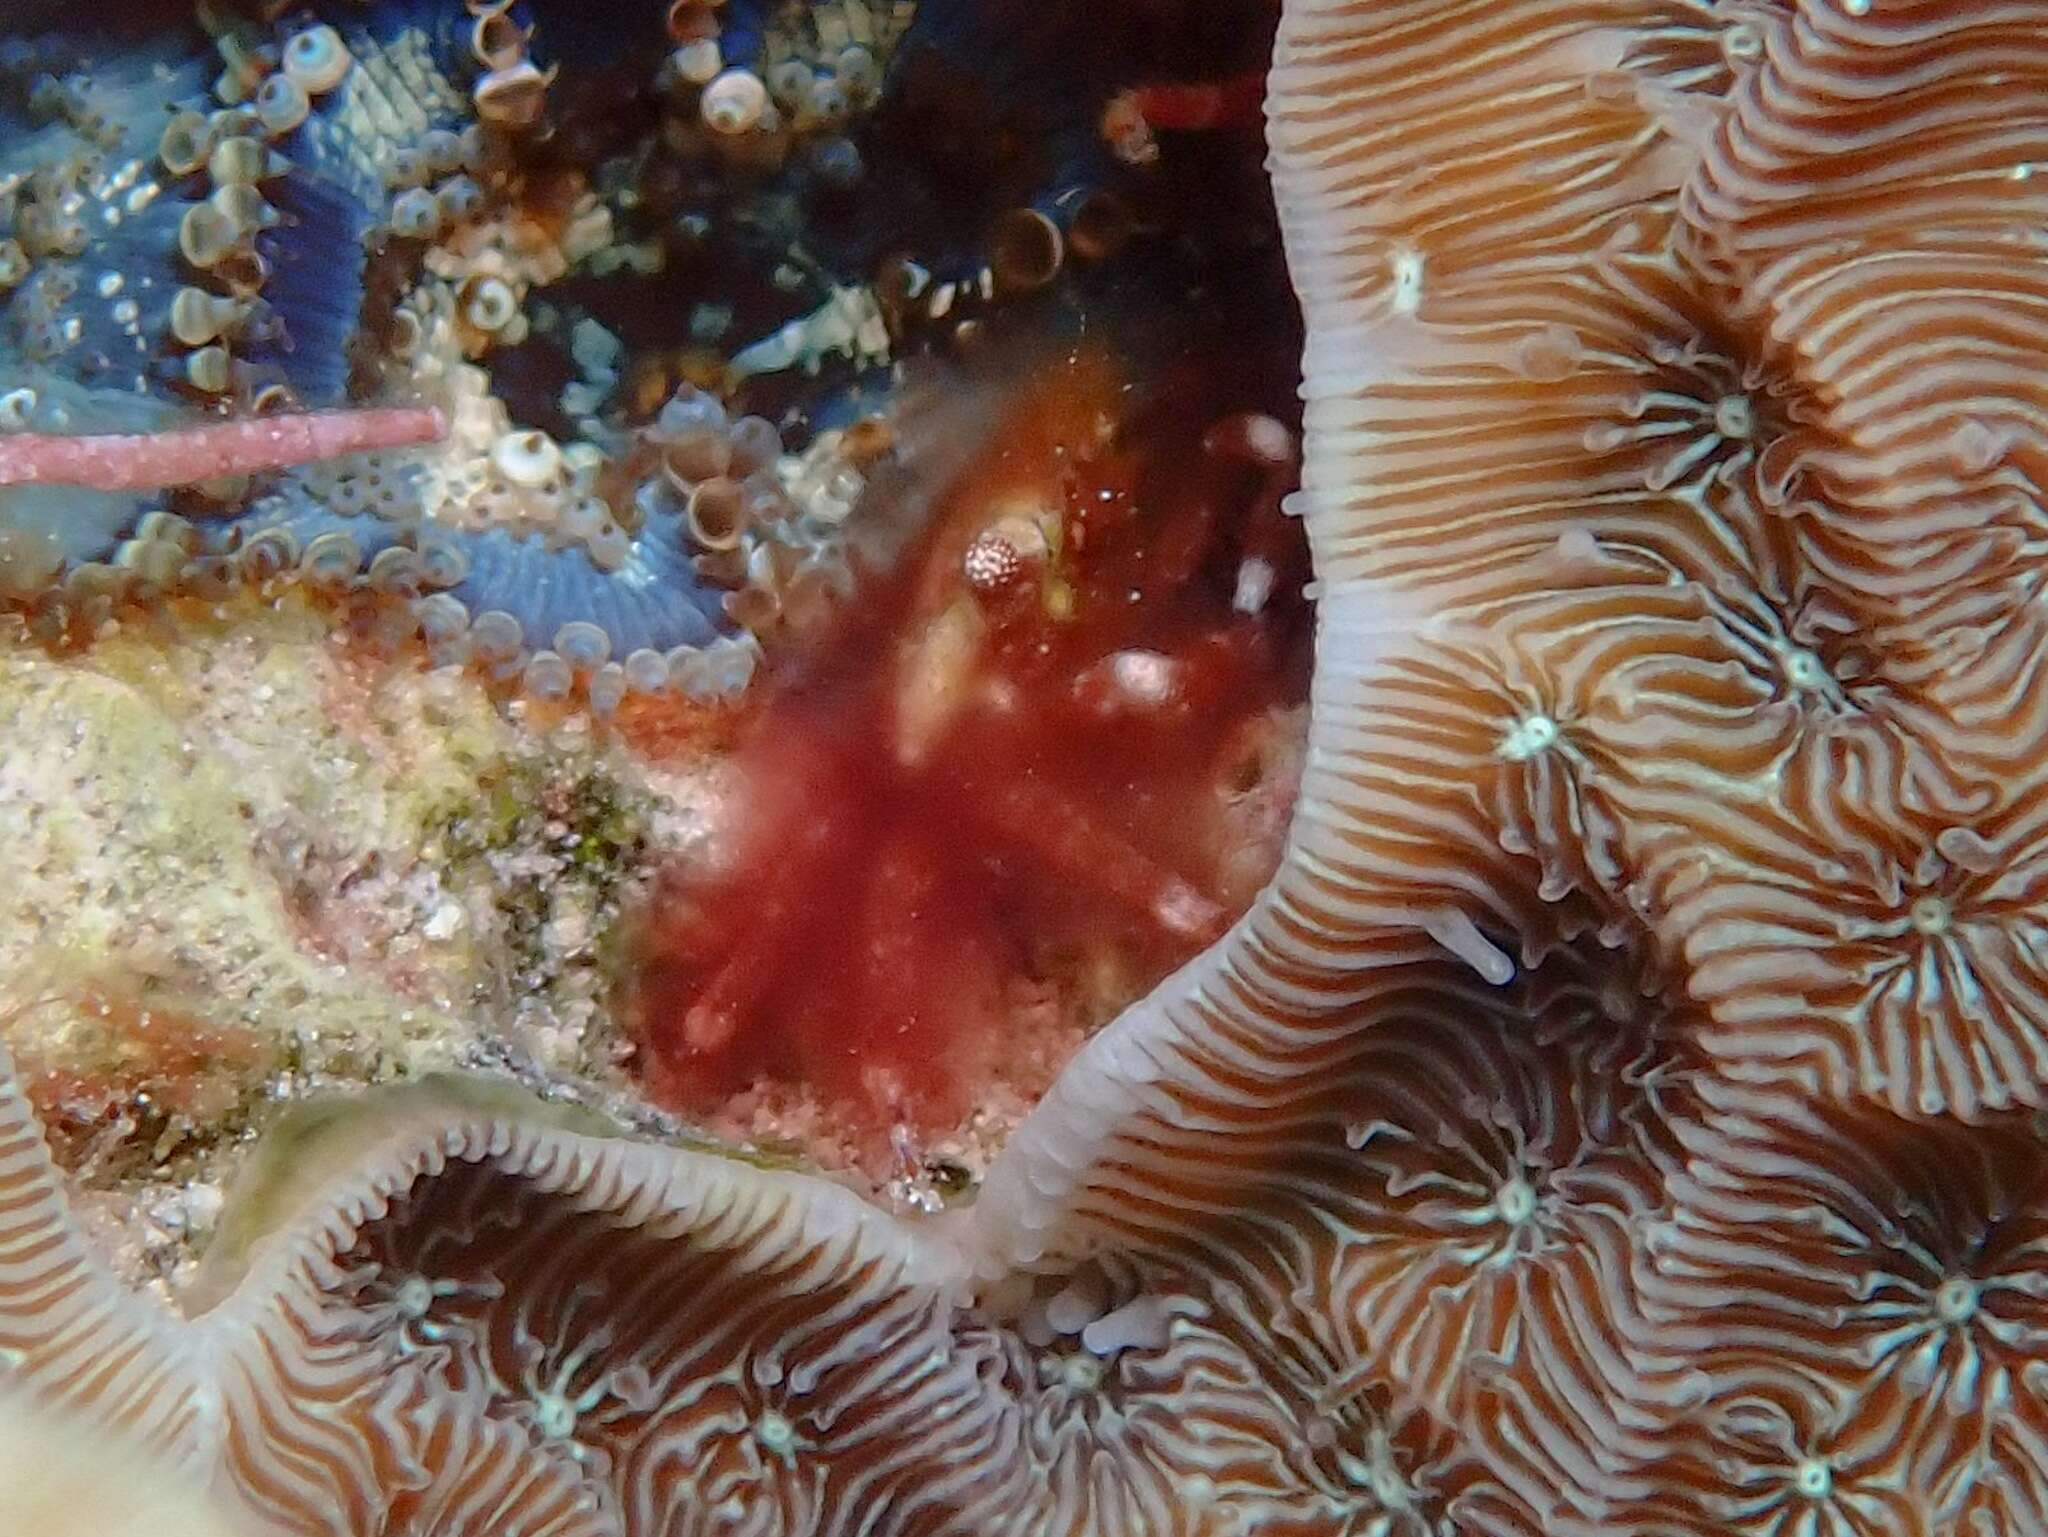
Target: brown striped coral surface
x=1620 y=1116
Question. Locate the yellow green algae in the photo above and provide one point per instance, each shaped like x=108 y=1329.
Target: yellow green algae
x=245 y=863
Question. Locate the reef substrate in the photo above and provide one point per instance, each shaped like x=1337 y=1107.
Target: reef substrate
x=1620 y=1115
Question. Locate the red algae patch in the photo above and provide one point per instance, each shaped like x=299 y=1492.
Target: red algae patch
x=1041 y=763
x=120 y=1071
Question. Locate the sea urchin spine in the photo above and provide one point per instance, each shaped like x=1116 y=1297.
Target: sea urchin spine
x=147 y=461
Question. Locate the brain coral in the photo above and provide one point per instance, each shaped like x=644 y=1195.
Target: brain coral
x=1615 y=1119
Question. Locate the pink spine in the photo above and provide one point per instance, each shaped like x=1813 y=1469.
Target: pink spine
x=147 y=461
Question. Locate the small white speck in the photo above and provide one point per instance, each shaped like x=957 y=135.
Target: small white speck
x=1529 y=738
x=1184 y=911
x=1955 y=1300
x=1407 y=295
x=1145 y=676
x=1515 y=1201
x=1081 y=1373
x=1254 y=586
x=1930 y=915
x=554 y=1416
x=415 y=1297
x=774 y=1431
x=203 y=1204
x=445 y=921
x=1814 y=1478
x=1805 y=671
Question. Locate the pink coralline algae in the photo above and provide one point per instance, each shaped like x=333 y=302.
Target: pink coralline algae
x=1618 y=1117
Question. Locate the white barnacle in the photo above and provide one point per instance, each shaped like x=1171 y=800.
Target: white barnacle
x=17 y=409
x=735 y=102
x=531 y=460
x=490 y=304
x=316 y=59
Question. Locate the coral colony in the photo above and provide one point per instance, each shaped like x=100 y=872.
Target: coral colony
x=1613 y=1107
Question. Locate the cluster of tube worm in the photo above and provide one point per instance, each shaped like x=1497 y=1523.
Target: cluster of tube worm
x=376 y=210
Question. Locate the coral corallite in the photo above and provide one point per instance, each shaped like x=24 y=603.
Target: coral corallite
x=1619 y=1116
